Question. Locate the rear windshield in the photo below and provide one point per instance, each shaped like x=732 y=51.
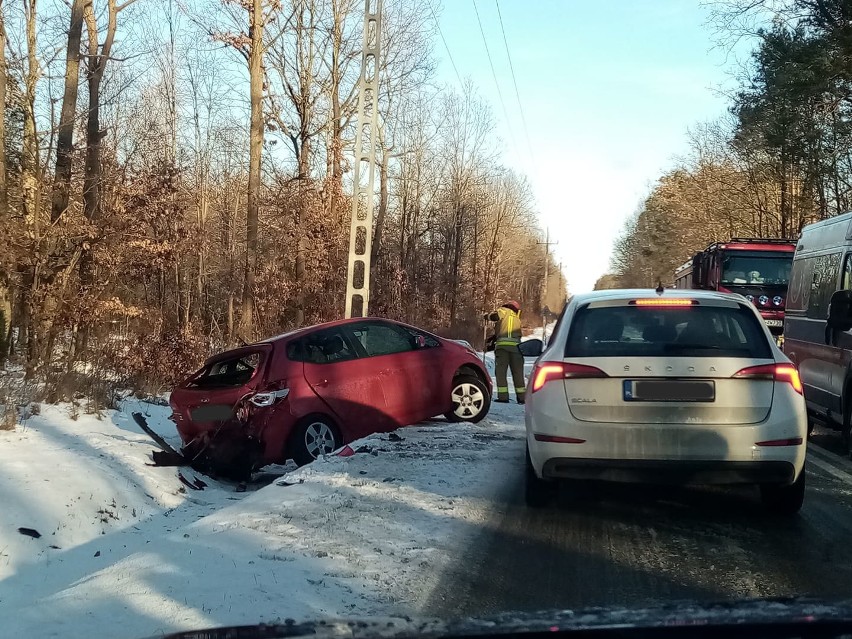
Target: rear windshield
x=696 y=331
x=228 y=373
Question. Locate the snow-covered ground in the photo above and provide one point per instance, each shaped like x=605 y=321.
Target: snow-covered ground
x=126 y=551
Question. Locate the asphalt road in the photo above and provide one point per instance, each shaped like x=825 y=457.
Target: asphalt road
x=635 y=546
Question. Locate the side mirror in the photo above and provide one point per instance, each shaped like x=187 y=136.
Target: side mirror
x=531 y=348
x=840 y=311
x=419 y=341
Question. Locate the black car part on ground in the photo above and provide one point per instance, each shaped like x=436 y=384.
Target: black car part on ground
x=227 y=453
x=750 y=619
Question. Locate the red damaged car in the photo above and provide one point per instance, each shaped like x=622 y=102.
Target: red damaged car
x=306 y=393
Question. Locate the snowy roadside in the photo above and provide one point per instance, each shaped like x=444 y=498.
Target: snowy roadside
x=365 y=535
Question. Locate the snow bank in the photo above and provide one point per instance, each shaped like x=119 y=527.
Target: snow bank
x=363 y=535
x=74 y=480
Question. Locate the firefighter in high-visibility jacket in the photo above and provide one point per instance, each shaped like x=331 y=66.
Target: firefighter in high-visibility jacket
x=507 y=353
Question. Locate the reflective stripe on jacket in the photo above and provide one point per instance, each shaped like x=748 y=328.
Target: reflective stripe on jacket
x=508 y=330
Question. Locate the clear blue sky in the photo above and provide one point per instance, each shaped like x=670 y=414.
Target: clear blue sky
x=608 y=89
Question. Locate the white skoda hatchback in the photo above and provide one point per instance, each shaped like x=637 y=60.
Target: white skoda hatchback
x=683 y=387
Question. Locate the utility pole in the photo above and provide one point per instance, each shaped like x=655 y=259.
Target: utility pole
x=547 y=244
x=366 y=143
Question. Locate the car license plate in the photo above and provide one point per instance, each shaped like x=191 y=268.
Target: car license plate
x=636 y=390
x=212 y=413
x=774 y=323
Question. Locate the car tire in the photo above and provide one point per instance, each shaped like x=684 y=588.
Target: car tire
x=784 y=500
x=538 y=492
x=471 y=399
x=312 y=437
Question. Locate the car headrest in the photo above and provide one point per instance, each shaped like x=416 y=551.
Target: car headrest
x=659 y=334
x=610 y=331
x=333 y=345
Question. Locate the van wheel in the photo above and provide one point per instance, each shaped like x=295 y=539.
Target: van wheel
x=470 y=398
x=313 y=437
x=784 y=500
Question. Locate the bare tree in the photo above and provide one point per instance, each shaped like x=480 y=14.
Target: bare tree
x=96 y=64
x=252 y=46
x=68 y=114
x=30 y=192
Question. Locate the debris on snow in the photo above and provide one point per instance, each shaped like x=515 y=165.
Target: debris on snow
x=30 y=532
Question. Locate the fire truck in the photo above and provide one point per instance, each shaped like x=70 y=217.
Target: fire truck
x=756 y=268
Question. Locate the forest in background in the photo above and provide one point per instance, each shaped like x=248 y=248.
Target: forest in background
x=175 y=180
x=779 y=159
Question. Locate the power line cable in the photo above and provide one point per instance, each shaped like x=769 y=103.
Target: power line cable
x=444 y=40
x=494 y=74
x=515 y=82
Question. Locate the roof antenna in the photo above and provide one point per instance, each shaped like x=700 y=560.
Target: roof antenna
x=660 y=289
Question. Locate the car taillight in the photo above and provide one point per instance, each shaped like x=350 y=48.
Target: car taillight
x=549 y=371
x=778 y=372
x=262 y=400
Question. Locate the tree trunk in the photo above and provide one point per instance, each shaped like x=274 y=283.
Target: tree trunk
x=202 y=223
x=30 y=193
x=454 y=271
x=91 y=179
x=30 y=157
x=784 y=195
x=96 y=65
x=6 y=292
x=301 y=273
x=65 y=138
x=336 y=145
x=4 y=170
x=247 y=319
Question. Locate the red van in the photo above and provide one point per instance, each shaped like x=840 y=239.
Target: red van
x=306 y=393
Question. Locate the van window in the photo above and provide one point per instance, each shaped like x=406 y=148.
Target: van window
x=846 y=280
x=823 y=284
x=799 y=291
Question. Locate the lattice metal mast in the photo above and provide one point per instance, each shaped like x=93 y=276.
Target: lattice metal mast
x=366 y=143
